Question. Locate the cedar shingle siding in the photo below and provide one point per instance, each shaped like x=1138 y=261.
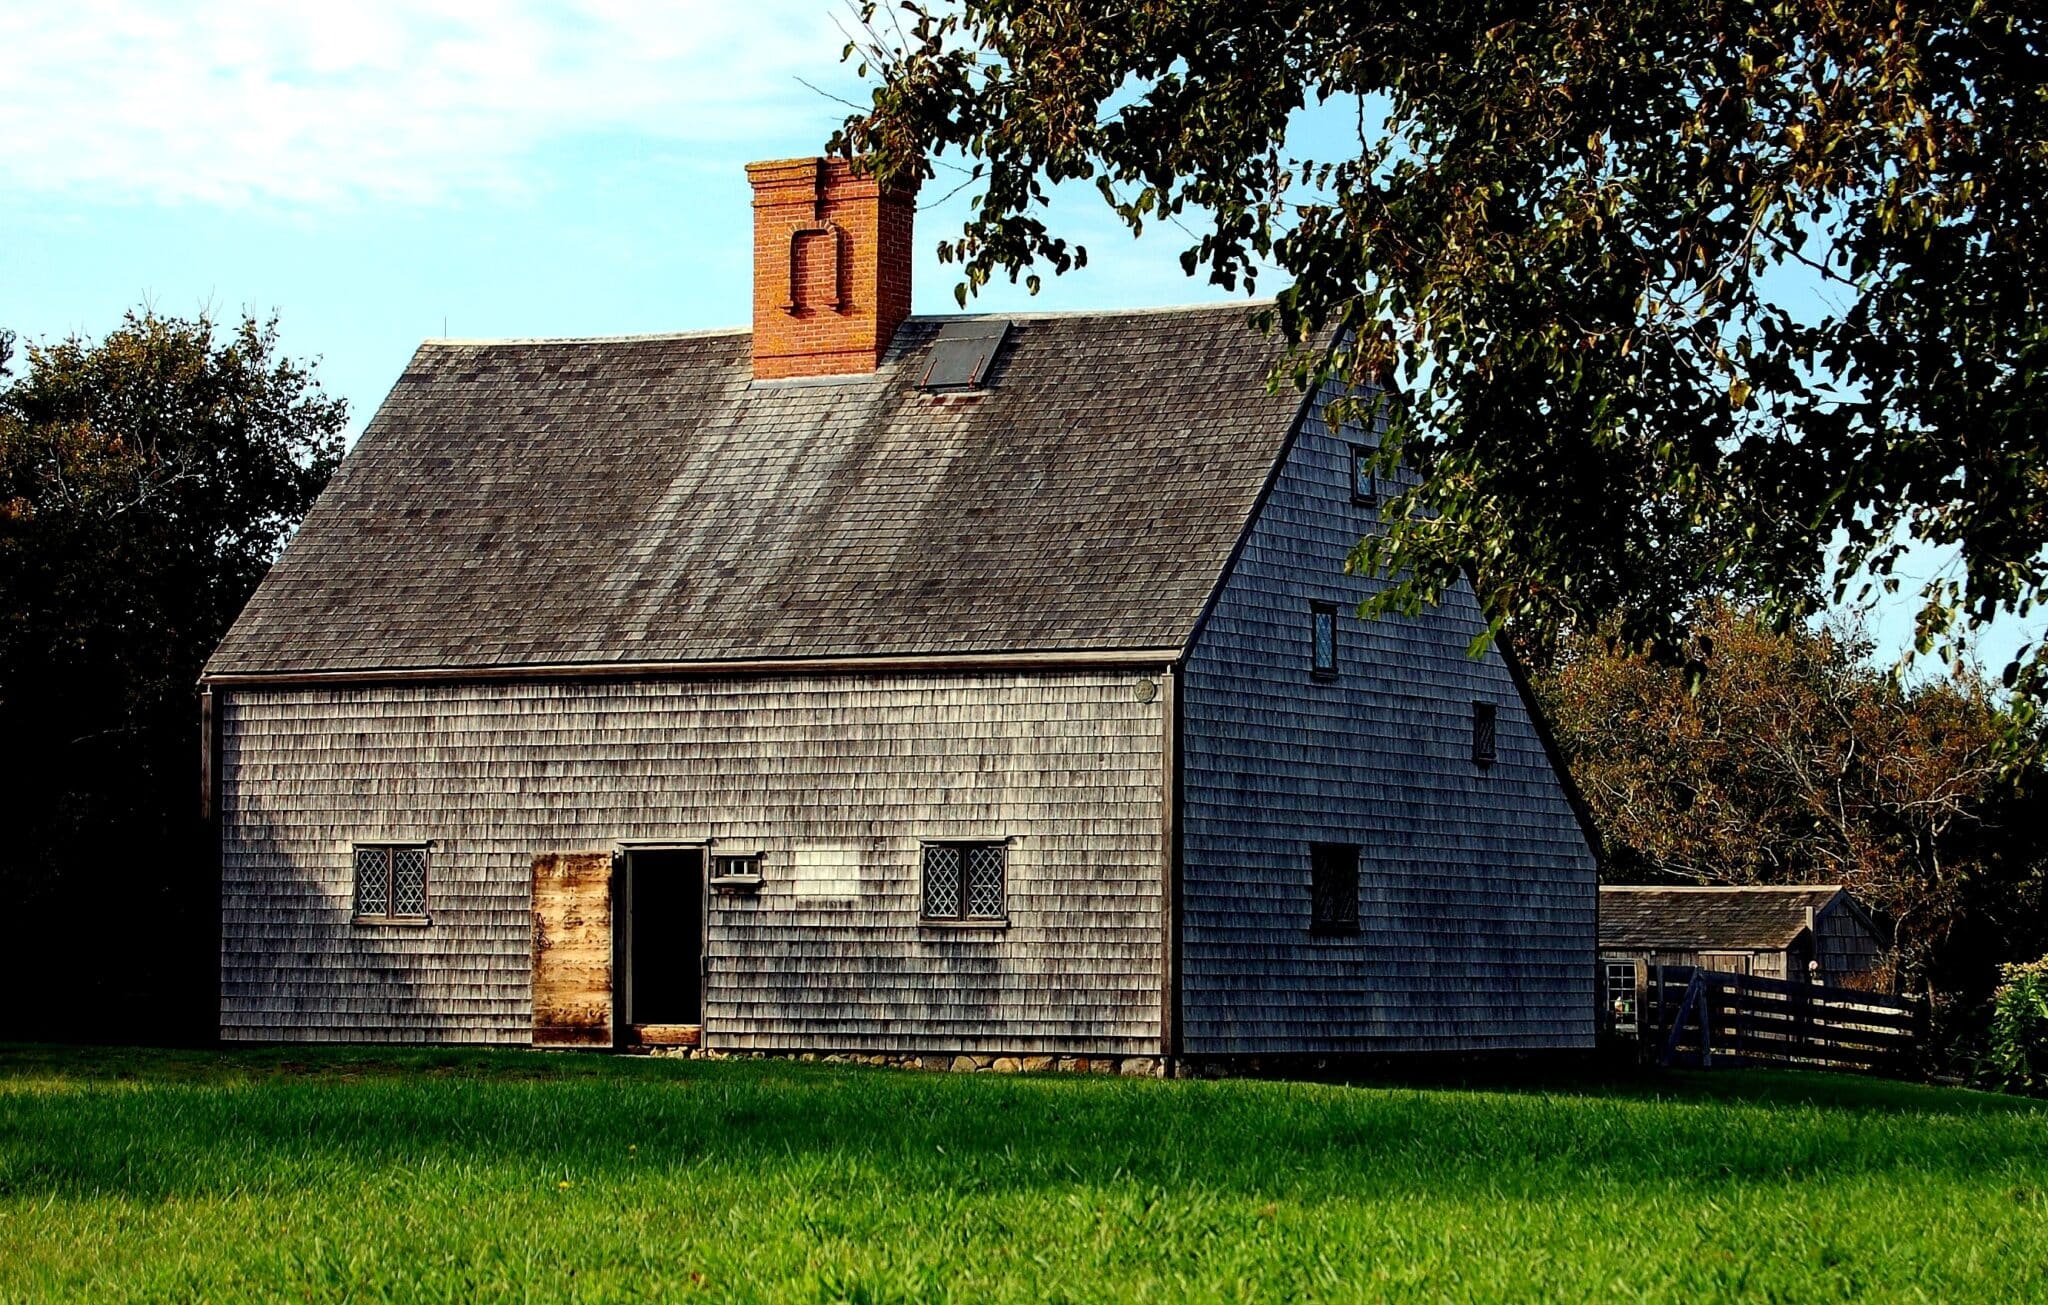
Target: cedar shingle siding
x=1068 y=765
x=559 y=542
x=1477 y=894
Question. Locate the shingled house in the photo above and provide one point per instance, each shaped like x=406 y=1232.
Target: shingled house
x=876 y=684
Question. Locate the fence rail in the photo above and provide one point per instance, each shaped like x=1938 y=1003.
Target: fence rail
x=1702 y=1017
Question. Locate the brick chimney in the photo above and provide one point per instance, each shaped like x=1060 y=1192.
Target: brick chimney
x=831 y=268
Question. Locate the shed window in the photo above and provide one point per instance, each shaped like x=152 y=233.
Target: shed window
x=964 y=882
x=1621 y=995
x=391 y=881
x=1365 y=482
x=1482 y=733
x=1333 y=878
x=1323 y=641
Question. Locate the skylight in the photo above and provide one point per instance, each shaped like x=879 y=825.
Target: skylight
x=960 y=354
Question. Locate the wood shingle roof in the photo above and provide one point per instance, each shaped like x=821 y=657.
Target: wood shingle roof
x=549 y=503
x=1757 y=918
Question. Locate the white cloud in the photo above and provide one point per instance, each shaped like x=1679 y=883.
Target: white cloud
x=313 y=104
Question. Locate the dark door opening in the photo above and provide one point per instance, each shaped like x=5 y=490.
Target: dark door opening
x=663 y=961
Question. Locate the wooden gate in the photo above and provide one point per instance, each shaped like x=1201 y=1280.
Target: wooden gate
x=1711 y=1018
x=572 y=949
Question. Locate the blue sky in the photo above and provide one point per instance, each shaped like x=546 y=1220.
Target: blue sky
x=377 y=173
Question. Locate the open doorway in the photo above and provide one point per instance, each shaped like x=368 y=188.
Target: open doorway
x=660 y=941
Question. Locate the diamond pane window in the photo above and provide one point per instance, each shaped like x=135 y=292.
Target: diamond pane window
x=391 y=882
x=373 y=881
x=409 y=881
x=942 y=882
x=964 y=882
x=985 y=882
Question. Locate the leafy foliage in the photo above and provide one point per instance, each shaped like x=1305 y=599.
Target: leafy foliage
x=1797 y=761
x=1667 y=299
x=147 y=480
x=2017 y=1058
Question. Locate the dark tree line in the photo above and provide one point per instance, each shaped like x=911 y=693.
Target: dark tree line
x=1797 y=759
x=147 y=480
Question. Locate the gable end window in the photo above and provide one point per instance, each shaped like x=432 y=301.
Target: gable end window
x=391 y=882
x=1482 y=733
x=1365 y=482
x=1333 y=881
x=1322 y=634
x=965 y=883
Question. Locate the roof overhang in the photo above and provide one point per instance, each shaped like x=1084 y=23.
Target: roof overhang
x=909 y=664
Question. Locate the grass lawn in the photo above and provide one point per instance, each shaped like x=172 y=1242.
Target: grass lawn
x=316 y=1175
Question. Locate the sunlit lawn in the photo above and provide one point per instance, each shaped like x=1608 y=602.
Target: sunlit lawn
x=301 y=1175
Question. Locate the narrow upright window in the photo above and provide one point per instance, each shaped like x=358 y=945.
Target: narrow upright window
x=391 y=881
x=1365 y=482
x=1482 y=733
x=964 y=883
x=1323 y=641
x=1333 y=882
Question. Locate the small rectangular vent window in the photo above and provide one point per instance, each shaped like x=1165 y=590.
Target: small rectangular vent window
x=960 y=354
x=1323 y=641
x=1365 y=482
x=736 y=868
x=1482 y=733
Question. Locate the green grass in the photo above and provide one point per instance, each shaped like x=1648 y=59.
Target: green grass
x=307 y=1175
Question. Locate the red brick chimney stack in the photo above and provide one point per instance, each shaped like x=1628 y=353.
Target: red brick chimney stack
x=831 y=267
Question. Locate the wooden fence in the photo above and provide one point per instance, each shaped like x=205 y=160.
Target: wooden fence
x=1708 y=1018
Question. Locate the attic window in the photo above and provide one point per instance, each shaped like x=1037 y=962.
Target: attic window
x=1365 y=482
x=1482 y=733
x=1322 y=640
x=960 y=354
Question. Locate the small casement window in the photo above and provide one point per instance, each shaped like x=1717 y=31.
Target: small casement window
x=1322 y=637
x=1333 y=879
x=1365 y=482
x=1482 y=733
x=963 y=883
x=391 y=881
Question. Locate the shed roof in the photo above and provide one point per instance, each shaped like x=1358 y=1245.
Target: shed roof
x=1756 y=918
x=643 y=500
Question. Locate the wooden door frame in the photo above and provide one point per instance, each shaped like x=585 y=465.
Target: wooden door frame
x=622 y=927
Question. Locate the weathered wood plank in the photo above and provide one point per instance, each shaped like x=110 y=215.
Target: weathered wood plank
x=572 y=949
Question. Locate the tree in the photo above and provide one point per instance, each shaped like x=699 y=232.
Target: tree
x=1798 y=761
x=146 y=483
x=1666 y=299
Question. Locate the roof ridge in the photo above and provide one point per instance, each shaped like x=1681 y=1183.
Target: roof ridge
x=1723 y=888
x=716 y=332
x=457 y=342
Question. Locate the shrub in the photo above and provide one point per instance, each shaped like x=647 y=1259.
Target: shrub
x=2017 y=1058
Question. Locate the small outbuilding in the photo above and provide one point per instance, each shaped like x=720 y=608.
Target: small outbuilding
x=1770 y=931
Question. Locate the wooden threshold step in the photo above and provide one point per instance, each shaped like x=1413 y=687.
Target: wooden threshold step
x=664 y=1035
